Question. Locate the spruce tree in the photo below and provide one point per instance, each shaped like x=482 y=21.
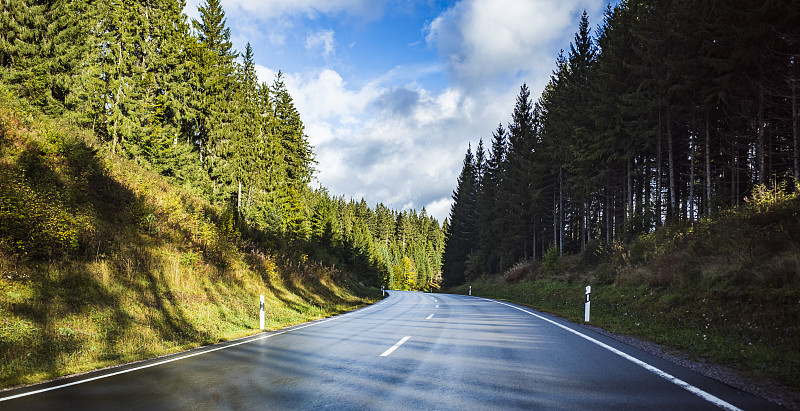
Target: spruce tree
x=461 y=239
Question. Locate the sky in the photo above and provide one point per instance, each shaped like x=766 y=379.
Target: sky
x=392 y=92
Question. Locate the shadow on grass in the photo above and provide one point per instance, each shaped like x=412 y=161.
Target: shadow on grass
x=68 y=214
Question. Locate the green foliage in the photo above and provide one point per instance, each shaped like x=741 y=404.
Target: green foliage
x=461 y=238
x=764 y=198
x=43 y=204
x=174 y=96
x=648 y=125
x=398 y=249
x=551 y=262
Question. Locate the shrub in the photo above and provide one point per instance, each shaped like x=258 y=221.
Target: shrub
x=520 y=271
x=551 y=262
x=763 y=197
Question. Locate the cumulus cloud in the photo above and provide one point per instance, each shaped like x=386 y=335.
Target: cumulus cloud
x=398 y=145
x=483 y=41
x=399 y=101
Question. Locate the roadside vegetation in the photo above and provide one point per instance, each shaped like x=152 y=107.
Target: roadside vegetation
x=725 y=290
x=104 y=262
x=152 y=186
x=660 y=166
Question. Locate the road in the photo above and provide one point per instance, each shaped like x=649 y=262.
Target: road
x=409 y=351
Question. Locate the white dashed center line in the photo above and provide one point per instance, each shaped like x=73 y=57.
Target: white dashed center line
x=394 y=347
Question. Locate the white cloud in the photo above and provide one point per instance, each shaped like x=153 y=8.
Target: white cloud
x=323 y=39
x=482 y=41
x=398 y=145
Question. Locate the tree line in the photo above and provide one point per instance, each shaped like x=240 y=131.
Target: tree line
x=670 y=112
x=404 y=246
x=173 y=95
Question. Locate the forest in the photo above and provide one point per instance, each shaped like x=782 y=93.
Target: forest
x=664 y=115
x=174 y=96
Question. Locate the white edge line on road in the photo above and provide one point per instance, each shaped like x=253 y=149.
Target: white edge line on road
x=394 y=347
x=669 y=377
x=263 y=337
x=429 y=317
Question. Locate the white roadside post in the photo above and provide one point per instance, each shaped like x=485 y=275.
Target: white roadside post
x=383 y=292
x=586 y=306
x=261 y=313
x=470 y=290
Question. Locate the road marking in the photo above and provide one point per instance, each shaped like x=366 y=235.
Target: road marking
x=669 y=377
x=394 y=347
x=429 y=317
x=263 y=337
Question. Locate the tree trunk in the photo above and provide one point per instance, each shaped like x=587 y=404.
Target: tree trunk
x=671 y=165
x=691 y=178
x=659 y=172
x=584 y=224
x=761 y=157
x=795 y=112
x=555 y=219
x=629 y=198
x=692 y=149
x=647 y=186
x=239 y=199
x=707 y=209
x=560 y=213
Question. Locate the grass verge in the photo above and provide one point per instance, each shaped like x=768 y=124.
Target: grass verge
x=748 y=330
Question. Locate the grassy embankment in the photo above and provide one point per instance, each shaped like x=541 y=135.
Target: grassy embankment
x=103 y=262
x=726 y=290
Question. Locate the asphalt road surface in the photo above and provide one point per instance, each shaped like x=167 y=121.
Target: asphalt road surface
x=410 y=351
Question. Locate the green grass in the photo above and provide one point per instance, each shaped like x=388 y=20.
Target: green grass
x=756 y=335
x=71 y=317
x=103 y=262
x=725 y=289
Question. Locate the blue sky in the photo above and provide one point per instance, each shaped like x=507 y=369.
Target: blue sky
x=392 y=92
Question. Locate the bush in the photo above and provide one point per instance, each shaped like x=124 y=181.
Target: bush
x=520 y=271
x=551 y=262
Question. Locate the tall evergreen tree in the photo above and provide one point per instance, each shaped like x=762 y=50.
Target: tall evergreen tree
x=461 y=239
x=490 y=208
x=289 y=133
x=213 y=103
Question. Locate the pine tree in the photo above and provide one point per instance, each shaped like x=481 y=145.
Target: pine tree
x=518 y=182
x=213 y=103
x=490 y=211
x=289 y=133
x=461 y=239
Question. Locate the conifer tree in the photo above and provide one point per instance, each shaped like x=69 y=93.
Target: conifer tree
x=461 y=240
x=289 y=133
x=490 y=214
x=213 y=103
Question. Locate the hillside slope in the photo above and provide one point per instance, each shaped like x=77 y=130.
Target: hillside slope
x=103 y=262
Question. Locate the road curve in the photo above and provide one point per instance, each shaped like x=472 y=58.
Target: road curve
x=409 y=351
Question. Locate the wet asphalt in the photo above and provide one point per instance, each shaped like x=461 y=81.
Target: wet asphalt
x=462 y=353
